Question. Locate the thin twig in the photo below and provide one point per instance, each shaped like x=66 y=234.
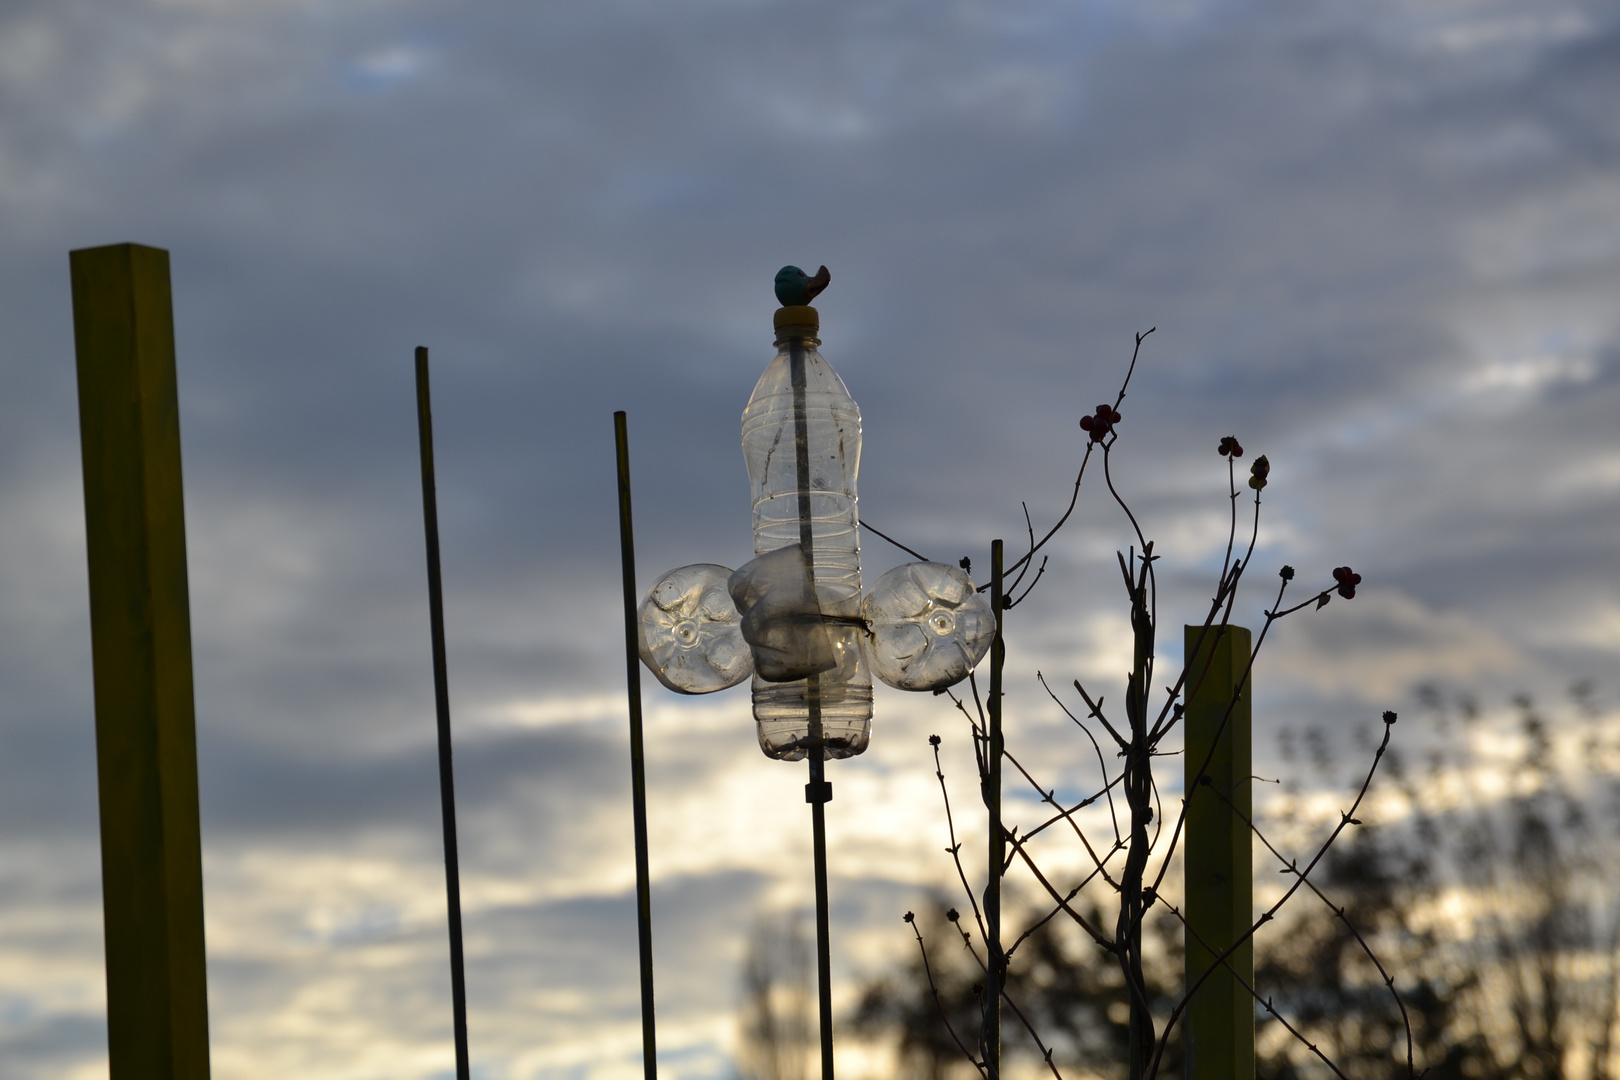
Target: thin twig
x=961 y=707
x=1078 y=832
x=1102 y=764
x=1048 y=917
x=1029 y=527
x=1062 y=901
x=1012 y=602
x=1075 y=497
x=956 y=848
x=1270 y=913
x=1265 y=1003
x=1096 y=710
x=1063 y=814
x=1220 y=729
x=1231 y=532
x=1293 y=868
x=978 y=703
x=934 y=991
x=967 y=943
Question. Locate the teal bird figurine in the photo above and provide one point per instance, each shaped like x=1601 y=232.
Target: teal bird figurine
x=795 y=287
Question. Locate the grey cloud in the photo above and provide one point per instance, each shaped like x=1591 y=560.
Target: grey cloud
x=247 y=789
x=52 y=1043
x=1335 y=223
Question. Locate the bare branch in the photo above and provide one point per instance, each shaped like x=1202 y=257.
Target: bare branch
x=1029 y=528
x=1063 y=901
x=956 y=847
x=1345 y=818
x=1292 y=867
x=1067 y=815
x=1096 y=710
x=1010 y=602
x=1075 y=497
x=1265 y=1003
x=1102 y=764
x=1044 y=919
x=933 y=991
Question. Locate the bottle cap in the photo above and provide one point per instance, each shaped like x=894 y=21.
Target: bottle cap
x=798 y=315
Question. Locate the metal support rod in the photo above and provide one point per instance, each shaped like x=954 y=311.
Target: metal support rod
x=441 y=699
x=997 y=959
x=818 y=826
x=1219 y=871
x=819 y=792
x=638 y=757
x=140 y=645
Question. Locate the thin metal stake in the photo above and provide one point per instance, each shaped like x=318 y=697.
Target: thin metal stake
x=998 y=837
x=638 y=758
x=818 y=792
x=441 y=697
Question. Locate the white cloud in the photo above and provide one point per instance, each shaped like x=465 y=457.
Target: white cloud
x=1370 y=242
x=1380 y=645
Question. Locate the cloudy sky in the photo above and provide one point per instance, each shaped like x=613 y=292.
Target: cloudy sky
x=1380 y=243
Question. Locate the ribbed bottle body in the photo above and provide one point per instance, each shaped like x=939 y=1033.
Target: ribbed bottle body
x=802 y=445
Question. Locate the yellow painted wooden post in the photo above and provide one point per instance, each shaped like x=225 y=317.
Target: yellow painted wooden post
x=1220 y=879
x=140 y=636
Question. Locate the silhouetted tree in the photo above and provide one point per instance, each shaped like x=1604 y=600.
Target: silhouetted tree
x=1070 y=990
x=774 y=1030
x=1487 y=880
x=1123 y=889
x=1489 y=884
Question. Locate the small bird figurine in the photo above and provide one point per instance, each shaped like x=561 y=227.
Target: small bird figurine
x=794 y=286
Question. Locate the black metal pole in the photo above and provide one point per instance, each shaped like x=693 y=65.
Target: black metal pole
x=998 y=838
x=441 y=696
x=638 y=759
x=818 y=792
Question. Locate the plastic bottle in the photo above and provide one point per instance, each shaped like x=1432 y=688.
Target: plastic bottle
x=690 y=638
x=928 y=626
x=800 y=394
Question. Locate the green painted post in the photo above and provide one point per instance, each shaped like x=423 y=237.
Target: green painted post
x=1220 y=878
x=140 y=637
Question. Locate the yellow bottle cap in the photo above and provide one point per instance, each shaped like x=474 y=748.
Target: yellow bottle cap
x=798 y=315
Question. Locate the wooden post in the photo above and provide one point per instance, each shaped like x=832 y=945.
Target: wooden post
x=1220 y=877
x=140 y=636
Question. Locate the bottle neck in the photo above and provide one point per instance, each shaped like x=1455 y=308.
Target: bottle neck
x=803 y=336
x=800 y=321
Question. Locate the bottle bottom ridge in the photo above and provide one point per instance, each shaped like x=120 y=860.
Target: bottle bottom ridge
x=782 y=714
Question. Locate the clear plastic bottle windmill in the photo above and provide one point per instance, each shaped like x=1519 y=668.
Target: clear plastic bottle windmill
x=794 y=617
